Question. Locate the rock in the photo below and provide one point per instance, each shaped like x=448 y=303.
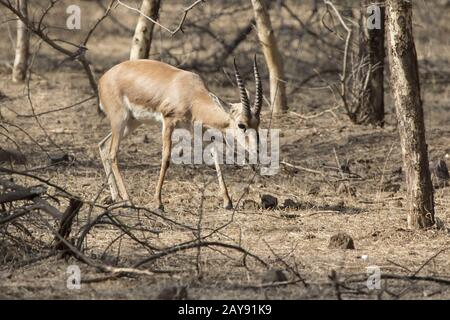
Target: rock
x=274 y=275
x=59 y=158
x=173 y=292
x=341 y=241
x=12 y=156
x=268 y=201
x=291 y=204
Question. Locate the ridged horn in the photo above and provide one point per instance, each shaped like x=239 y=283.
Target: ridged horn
x=258 y=90
x=242 y=92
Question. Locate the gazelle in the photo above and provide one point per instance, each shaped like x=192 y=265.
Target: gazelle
x=140 y=91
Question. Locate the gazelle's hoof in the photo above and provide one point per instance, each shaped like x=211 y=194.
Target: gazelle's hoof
x=228 y=206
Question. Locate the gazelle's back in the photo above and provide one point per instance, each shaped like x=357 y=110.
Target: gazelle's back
x=149 y=86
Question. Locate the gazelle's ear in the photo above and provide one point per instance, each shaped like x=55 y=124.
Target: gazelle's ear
x=219 y=102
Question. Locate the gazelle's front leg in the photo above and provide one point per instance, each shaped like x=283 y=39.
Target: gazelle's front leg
x=165 y=161
x=227 y=204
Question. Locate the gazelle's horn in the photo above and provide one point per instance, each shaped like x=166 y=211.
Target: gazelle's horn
x=242 y=92
x=258 y=90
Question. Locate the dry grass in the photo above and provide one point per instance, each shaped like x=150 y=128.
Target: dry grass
x=376 y=219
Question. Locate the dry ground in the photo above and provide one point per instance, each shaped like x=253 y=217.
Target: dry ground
x=375 y=215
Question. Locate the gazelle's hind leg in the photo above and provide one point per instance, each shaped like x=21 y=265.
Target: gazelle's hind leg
x=103 y=147
x=109 y=148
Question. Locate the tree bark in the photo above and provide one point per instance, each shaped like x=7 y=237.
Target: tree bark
x=22 y=45
x=272 y=56
x=372 y=47
x=142 y=39
x=405 y=88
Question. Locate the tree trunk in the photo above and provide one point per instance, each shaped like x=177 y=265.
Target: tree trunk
x=406 y=94
x=372 y=47
x=22 y=46
x=272 y=55
x=142 y=39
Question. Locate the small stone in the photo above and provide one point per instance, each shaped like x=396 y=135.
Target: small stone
x=273 y=276
x=341 y=241
x=173 y=293
x=59 y=158
x=268 y=201
x=290 y=204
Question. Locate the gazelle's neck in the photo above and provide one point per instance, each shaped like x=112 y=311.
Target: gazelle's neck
x=205 y=110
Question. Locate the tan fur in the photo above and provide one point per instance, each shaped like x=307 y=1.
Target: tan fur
x=134 y=92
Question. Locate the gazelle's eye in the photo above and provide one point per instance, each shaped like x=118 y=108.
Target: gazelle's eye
x=242 y=126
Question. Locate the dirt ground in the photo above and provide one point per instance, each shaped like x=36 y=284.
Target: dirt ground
x=372 y=211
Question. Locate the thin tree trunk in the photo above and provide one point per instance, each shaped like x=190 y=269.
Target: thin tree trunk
x=406 y=94
x=272 y=56
x=372 y=47
x=22 y=46
x=142 y=39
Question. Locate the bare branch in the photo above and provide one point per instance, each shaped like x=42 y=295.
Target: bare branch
x=180 y=24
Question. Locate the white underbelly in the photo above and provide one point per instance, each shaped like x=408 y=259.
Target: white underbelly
x=141 y=113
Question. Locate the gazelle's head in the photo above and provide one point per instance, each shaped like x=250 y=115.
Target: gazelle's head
x=245 y=118
x=243 y=115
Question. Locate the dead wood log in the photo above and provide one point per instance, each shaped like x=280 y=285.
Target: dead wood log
x=19 y=192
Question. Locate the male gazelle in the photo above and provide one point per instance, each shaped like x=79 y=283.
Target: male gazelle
x=139 y=91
